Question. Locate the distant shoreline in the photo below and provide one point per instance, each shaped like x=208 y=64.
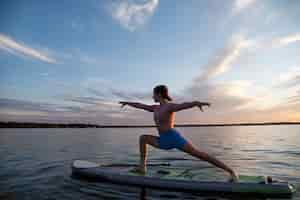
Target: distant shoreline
x=78 y=125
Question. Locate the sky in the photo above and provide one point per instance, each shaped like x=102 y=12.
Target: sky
x=73 y=61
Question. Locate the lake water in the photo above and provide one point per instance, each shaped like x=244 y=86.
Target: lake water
x=35 y=163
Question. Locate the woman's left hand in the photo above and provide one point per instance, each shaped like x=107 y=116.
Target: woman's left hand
x=202 y=104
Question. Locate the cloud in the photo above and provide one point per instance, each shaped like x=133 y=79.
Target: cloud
x=112 y=93
x=223 y=61
x=240 y=5
x=289 y=83
x=131 y=15
x=24 y=105
x=132 y=95
x=84 y=100
x=289 y=79
x=283 y=41
x=106 y=89
x=295 y=98
x=223 y=96
x=275 y=42
x=232 y=96
x=90 y=111
x=11 y=46
x=286 y=111
x=96 y=92
x=231 y=102
x=93 y=103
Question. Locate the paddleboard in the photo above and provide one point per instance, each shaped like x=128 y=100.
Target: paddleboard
x=180 y=179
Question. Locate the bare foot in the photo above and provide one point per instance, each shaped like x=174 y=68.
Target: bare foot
x=139 y=170
x=234 y=178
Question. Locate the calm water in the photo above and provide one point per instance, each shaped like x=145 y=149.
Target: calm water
x=35 y=163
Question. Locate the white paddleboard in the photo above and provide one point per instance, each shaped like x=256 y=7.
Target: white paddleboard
x=179 y=180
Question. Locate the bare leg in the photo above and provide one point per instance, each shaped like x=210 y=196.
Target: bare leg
x=144 y=140
x=190 y=149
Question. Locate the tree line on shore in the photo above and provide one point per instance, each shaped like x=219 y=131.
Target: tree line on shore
x=80 y=125
x=44 y=125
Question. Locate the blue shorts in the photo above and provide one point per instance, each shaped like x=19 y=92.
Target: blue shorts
x=171 y=139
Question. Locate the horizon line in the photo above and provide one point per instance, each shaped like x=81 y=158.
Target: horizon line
x=65 y=125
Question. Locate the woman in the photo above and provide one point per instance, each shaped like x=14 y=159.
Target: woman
x=169 y=138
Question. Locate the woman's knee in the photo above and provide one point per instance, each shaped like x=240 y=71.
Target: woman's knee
x=144 y=138
x=149 y=139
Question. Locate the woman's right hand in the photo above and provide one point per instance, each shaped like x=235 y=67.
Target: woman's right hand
x=200 y=104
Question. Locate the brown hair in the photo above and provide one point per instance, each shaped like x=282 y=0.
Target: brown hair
x=163 y=91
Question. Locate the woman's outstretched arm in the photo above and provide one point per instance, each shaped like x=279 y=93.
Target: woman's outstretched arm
x=149 y=108
x=186 y=105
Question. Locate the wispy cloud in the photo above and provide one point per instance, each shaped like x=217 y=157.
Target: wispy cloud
x=240 y=5
x=275 y=42
x=282 y=41
x=232 y=103
x=287 y=110
x=223 y=61
x=295 y=98
x=224 y=96
x=114 y=93
x=23 y=105
x=11 y=46
x=289 y=79
x=106 y=89
x=233 y=95
x=91 y=110
x=85 y=100
x=131 y=15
